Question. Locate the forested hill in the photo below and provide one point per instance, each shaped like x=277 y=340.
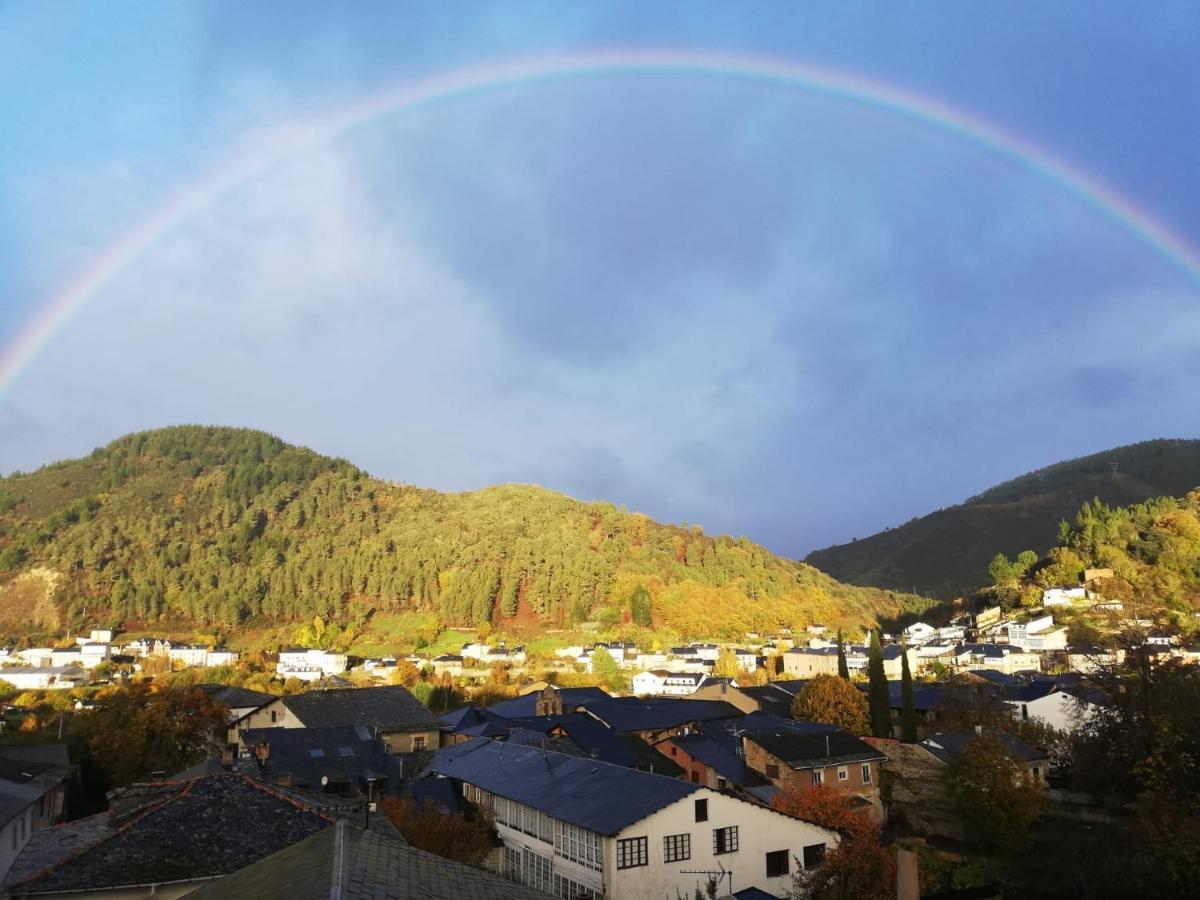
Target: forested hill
x=946 y=553
x=218 y=526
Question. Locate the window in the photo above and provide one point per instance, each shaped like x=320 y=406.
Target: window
x=725 y=840
x=677 y=847
x=695 y=777
x=578 y=845
x=274 y=716
x=818 y=776
x=631 y=852
x=701 y=810
x=1037 y=773
x=843 y=773
x=772 y=770
x=418 y=742
x=813 y=854
x=572 y=890
x=722 y=784
x=777 y=863
x=866 y=773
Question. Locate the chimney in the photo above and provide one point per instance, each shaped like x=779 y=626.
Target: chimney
x=827 y=753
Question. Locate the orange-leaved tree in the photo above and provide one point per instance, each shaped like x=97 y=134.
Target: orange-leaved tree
x=467 y=839
x=859 y=867
x=834 y=701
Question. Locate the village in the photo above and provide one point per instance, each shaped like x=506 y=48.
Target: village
x=660 y=772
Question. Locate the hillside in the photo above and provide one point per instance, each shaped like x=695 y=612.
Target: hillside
x=234 y=528
x=946 y=553
x=1152 y=549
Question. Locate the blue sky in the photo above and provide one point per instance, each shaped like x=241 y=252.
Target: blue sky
x=728 y=303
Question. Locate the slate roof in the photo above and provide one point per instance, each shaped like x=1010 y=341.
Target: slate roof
x=772 y=698
x=236 y=697
x=595 y=740
x=300 y=757
x=948 y=746
x=438 y=791
x=24 y=782
x=591 y=794
x=55 y=754
x=806 y=751
x=626 y=714
x=351 y=864
x=388 y=708
x=526 y=705
x=720 y=759
x=925 y=696
x=171 y=832
x=753 y=893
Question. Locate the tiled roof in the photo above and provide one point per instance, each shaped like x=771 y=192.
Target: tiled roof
x=389 y=708
x=175 y=832
x=625 y=714
x=55 y=754
x=351 y=864
x=591 y=794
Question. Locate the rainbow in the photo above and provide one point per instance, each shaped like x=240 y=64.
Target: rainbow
x=56 y=312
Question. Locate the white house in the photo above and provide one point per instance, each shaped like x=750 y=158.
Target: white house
x=101 y=635
x=681 y=684
x=93 y=653
x=650 y=660
x=707 y=651
x=919 y=633
x=221 y=657
x=43 y=678
x=188 y=654
x=746 y=660
x=1050 y=704
x=474 y=650
x=1063 y=596
x=565 y=834
x=651 y=683
x=308 y=664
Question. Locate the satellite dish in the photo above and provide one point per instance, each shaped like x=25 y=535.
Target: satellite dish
x=324 y=781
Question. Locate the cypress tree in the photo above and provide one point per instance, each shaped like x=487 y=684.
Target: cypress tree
x=843 y=668
x=877 y=694
x=908 y=710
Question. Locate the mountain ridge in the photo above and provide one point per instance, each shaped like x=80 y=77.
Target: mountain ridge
x=224 y=527
x=946 y=552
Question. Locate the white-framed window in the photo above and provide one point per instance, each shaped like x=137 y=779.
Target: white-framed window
x=866 y=773
x=843 y=773
x=578 y=845
x=818 y=776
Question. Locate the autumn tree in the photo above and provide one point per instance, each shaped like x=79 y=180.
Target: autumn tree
x=467 y=838
x=834 y=701
x=726 y=665
x=859 y=867
x=140 y=729
x=880 y=699
x=994 y=793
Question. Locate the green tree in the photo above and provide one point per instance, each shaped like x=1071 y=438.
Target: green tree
x=880 y=701
x=843 y=666
x=908 y=711
x=1001 y=570
x=640 y=607
x=995 y=795
x=833 y=701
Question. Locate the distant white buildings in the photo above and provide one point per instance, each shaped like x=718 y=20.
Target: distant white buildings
x=308 y=664
x=43 y=678
x=1063 y=596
